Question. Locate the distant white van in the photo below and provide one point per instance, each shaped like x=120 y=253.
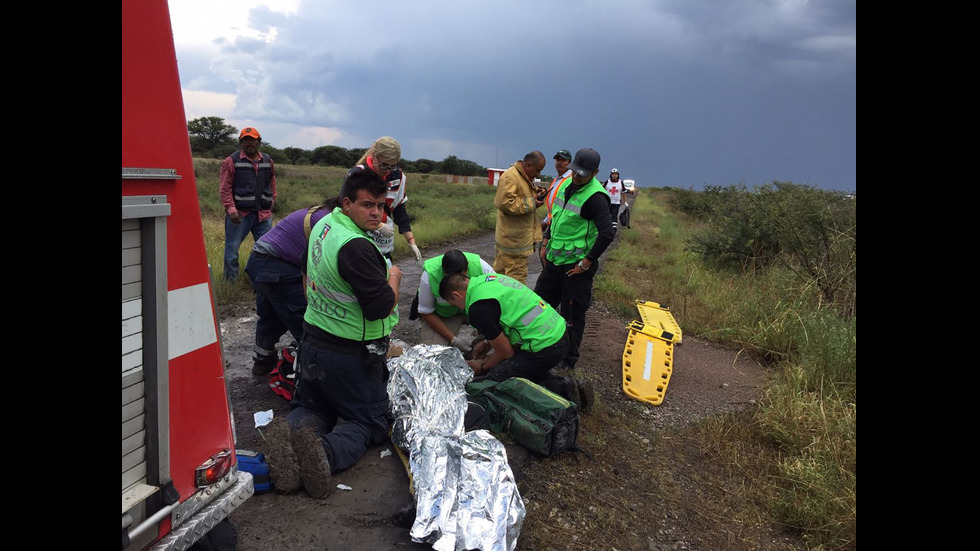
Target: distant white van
x=629 y=185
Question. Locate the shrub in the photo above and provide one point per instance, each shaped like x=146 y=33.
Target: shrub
x=811 y=232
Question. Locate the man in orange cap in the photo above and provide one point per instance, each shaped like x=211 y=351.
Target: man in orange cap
x=248 y=191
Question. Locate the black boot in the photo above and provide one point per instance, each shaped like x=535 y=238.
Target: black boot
x=577 y=391
x=586 y=395
x=263 y=365
x=567 y=388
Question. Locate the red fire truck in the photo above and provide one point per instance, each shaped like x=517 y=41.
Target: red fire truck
x=180 y=475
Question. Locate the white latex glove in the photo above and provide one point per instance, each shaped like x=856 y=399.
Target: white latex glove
x=384 y=230
x=462 y=346
x=418 y=253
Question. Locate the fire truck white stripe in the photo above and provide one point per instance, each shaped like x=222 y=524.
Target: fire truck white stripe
x=191 y=319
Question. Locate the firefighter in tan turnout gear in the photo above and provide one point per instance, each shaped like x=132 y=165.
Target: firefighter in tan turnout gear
x=518 y=227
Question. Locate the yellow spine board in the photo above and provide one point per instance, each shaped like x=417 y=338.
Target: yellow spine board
x=647 y=365
x=408 y=468
x=658 y=321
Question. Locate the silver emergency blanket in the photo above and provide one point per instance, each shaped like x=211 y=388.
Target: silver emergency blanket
x=465 y=493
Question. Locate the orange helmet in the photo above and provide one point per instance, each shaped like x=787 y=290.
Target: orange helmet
x=249 y=131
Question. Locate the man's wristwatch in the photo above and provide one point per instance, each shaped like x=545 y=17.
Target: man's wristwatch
x=580 y=265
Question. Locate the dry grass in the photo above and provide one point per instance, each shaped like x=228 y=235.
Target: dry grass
x=705 y=486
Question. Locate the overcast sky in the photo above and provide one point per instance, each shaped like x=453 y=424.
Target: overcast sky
x=682 y=93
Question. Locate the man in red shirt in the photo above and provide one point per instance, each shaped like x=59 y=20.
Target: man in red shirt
x=248 y=191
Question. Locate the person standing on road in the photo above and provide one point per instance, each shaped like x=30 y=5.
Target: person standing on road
x=579 y=233
x=441 y=321
x=276 y=268
x=340 y=405
x=614 y=187
x=562 y=158
x=525 y=336
x=382 y=157
x=247 y=187
x=518 y=231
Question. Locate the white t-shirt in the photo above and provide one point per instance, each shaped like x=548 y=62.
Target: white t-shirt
x=396 y=196
x=615 y=190
x=428 y=299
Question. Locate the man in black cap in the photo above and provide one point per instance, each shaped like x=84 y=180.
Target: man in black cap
x=581 y=229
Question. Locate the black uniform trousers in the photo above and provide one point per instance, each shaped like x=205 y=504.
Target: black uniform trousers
x=571 y=296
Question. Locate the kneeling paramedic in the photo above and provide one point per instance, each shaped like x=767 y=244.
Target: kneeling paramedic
x=340 y=406
x=442 y=321
x=525 y=333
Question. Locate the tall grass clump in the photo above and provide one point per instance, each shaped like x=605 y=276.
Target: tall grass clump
x=206 y=174
x=772 y=272
x=808 y=232
x=815 y=431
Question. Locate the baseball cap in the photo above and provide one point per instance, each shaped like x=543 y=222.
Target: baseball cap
x=614 y=171
x=586 y=161
x=564 y=154
x=251 y=132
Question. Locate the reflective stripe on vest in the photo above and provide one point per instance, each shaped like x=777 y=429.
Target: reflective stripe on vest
x=549 y=199
x=332 y=305
x=529 y=323
x=252 y=186
x=572 y=236
x=555 y=186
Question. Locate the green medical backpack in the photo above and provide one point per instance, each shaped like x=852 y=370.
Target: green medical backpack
x=532 y=415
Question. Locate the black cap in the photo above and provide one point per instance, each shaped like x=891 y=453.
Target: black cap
x=586 y=161
x=564 y=154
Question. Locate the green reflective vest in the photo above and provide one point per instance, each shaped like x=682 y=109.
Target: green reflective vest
x=433 y=267
x=331 y=304
x=572 y=236
x=530 y=323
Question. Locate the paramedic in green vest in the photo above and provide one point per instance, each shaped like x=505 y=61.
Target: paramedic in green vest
x=441 y=321
x=524 y=334
x=340 y=406
x=581 y=229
